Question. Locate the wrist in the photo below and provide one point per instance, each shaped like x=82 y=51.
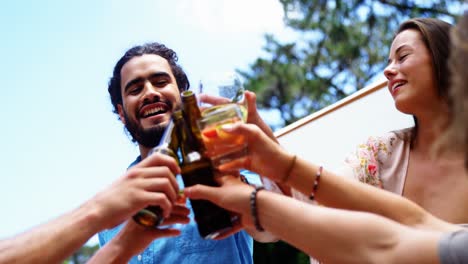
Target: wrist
x=89 y=212
x=287 y=163
x=254 y=208
x=113 y=252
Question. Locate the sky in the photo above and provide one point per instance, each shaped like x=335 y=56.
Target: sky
x=60 y=142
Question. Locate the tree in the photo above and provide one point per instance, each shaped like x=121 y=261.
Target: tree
x=343 y=46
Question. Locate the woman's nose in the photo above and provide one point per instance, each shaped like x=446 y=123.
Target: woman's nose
x=390 y=71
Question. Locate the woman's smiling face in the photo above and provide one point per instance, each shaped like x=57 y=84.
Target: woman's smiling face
x=410 y=73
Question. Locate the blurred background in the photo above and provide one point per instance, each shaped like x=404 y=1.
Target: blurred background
x=60 y=141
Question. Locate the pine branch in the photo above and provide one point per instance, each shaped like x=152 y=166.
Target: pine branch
x=416 y=7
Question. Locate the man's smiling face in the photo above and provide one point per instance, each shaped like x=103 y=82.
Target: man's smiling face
x=149 y=96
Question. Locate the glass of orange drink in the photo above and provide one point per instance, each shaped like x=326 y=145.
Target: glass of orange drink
x=222 y=147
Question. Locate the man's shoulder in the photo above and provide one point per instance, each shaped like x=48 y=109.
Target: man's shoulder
x=135 y=162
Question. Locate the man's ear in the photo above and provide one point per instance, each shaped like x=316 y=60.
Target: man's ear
x=121 y=113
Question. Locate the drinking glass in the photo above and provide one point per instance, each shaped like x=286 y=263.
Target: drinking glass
x=222 y=147
x=227 y=85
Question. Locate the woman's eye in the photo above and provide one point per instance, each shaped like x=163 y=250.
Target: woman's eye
x=402 y=57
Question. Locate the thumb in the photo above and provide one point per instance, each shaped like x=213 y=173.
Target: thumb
x=202 y=192
x=251 y=99
x=237 y=164
x=249 y=130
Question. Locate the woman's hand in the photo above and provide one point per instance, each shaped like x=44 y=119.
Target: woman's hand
x=233 y=195
x=265 y=157
x=253 y=117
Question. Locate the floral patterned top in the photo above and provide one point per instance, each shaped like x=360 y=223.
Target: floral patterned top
x=381 y=161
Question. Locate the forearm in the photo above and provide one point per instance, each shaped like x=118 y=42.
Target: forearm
x=113 y=252
x=263 y=237
x=321 y=232
x=339 y=192
x=134 y=238
x=51 y=242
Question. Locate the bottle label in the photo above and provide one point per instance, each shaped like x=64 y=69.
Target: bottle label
x=193 y=156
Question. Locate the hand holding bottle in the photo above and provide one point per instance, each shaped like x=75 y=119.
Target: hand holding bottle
x=152 y=215
x=233 y=195
x=151 y=182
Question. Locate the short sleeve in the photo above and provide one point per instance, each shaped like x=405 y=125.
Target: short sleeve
x=453 y=247
x=365 y=162
x=106 y=235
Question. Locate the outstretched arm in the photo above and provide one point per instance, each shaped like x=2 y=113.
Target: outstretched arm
x=133 y=239
x=269 y=159
x=150 y=182
x=53 y=241
x=322 y=232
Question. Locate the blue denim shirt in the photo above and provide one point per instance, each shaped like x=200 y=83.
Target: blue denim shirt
x=189 y=247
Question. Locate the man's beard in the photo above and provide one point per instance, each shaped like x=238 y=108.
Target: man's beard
x=149 y=137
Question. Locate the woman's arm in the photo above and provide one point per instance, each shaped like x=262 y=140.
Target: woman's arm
x=358 y=237
x=340 y=192
x=330 y=235
x=270 y=160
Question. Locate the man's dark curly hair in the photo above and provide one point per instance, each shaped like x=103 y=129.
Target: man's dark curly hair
x=114 y=88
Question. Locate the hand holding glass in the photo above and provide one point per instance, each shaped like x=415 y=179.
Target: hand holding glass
x=222 y=147
x=227 y=85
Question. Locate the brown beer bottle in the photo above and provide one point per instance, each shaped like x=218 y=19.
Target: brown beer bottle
x=152 y=216
x=212 y=220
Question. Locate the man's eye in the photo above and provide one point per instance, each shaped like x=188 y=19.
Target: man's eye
x=159 y=83
x=135 y=90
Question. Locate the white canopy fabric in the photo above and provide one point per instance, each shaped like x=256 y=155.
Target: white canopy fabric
x=329 y=135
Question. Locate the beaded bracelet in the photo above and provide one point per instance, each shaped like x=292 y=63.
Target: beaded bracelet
x=253 y=208
x=316 y=183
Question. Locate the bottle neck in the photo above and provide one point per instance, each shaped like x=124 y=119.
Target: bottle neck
x=168 y=143
x=189 y=145
x=191 y=114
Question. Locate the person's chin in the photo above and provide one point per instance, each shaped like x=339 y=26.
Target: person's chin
x=155 y=121
x=403 y=105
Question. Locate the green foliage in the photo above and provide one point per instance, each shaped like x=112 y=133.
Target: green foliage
x=342 y=46
x=278 y=253
x=82 y=255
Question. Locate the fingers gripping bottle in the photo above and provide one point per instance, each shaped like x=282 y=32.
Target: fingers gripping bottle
x=152 y=216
